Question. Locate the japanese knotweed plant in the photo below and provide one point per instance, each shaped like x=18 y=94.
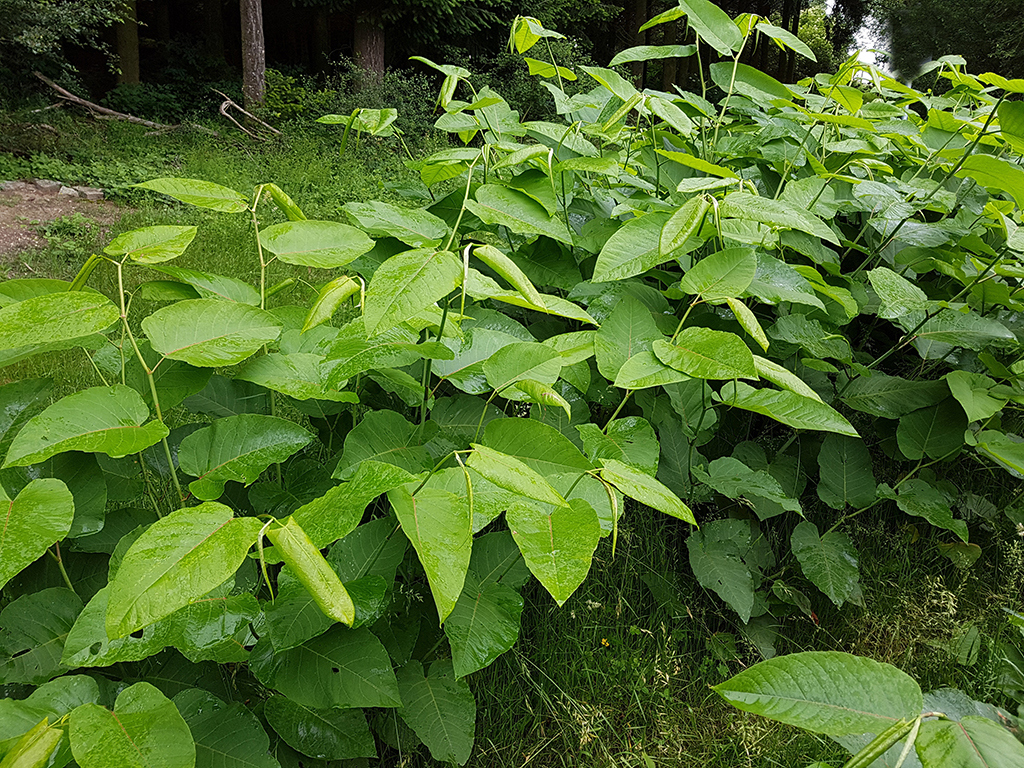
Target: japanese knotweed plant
x=744 y=302
x=877 y=712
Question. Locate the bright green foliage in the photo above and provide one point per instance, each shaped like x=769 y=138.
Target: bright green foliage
x=766 y=309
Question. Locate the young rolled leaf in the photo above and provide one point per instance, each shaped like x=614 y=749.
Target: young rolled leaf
x=826 y=692
x=283 y=201
x=176 y=561
x=36 y=748
x=108 y=420
x=509 y=270
x=319 y=579
x=327 y=301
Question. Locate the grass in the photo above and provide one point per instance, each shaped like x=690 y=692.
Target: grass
x=618 y=676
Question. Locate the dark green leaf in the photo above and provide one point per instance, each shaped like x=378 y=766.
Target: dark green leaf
x=440 y=709
x=326 y=734
x=226 y=735
x=829 y=561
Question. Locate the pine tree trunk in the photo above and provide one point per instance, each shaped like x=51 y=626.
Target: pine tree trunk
x=254 y=53
x=127 y=33
x=369 y=44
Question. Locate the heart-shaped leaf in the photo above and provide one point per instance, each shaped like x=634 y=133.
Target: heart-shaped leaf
x=440 y=709
x=226 y=735
x=36 y=518
x=325 y=734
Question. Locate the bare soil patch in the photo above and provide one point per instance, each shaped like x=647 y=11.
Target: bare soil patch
x=25 y=208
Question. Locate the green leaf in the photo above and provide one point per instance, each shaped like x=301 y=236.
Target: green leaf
x=216 y=628
x=19 y=402
x=337 y=513
x=175 y=562
x=749 y=82
x=352 y=352
x=935 y=432
x=777 y=214
x=513 y=475
x=731 y=477
x=826 y=692
x=651 y=52
x=899 y=296
x=645 y=489
x=723 y=275
x=643 y=371
x=847 y=477
x=710 y=22
x=715 y=553
x=975 y=394
x=210 y=333
x=226 y=735
x=37 y=748
x=706 y=354
x=634 y=248
x=545 y=69
x=789 y=408
x=440 y=526
x=145 y=730
x=627 y=332
x=522 y=360
x=88 y=644
x=297 y=375
x=386 y=437
x=415 y=227
x=829 y=561
x=890 y=396
x=324 y=734
x=777 y=282
x=786 y=39
x=33 y=629
x=440 y=709
x=151 y=245
x=784 y=378
x=318 y=244
x=992 y=172
x=483 y=625
x=517 y=211
x=328 y=299
x=341 y=668
x=631 y=441
x=210 y=286
x=537 y=445
x=406 y=284
x=557 y=542
x=237 y=448
x=204 y=194
x=919 y=498
x=36 y=518
x=973 y=742
x=1003 y=449
x=55 y=318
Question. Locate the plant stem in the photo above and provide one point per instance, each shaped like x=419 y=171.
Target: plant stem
x=428 y=364
x=616 y=412
x=60 y=565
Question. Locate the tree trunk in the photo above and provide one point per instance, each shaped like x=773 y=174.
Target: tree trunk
x=254 y=53
x=791 y=59
x=127 y=33
x=321 y=38
x=213 y=25
x=640 y=38
x=369 y=44
x=669 y=67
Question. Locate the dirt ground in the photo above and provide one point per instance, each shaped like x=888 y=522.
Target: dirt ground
x=24 y=209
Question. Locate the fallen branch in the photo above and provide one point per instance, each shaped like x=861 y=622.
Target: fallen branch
x=97 y=110
x=228 y=103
